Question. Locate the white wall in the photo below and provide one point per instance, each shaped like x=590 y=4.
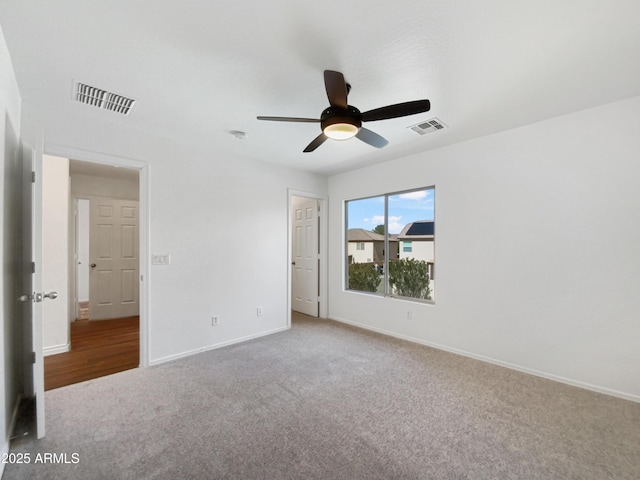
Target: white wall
x=10 y=332
x=208 y=217
x=55 y=248
x=90 y=185
x=537 y=251
x=206 y=210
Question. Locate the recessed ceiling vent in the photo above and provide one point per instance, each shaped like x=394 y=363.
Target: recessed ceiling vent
x=102 y=99
x=429 y=126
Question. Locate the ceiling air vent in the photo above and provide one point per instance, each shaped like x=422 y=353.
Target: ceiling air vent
x=102 y=99
x=429 y=126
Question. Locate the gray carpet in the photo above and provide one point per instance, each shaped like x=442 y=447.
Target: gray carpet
x=327 y=401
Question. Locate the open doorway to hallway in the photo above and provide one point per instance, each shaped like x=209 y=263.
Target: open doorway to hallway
x=100 y=332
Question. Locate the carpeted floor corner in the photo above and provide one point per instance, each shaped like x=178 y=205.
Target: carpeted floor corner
x=328 y=401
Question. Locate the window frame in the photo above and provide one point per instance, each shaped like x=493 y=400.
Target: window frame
x=345 y=259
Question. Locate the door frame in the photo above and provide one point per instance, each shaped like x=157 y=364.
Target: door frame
x=322 y=238
x=143 y=240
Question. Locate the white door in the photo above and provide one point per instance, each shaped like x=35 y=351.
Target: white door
x=113 y=249
x=32 y=280
x=305 y=258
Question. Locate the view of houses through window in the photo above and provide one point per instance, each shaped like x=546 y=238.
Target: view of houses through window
x=390 y=244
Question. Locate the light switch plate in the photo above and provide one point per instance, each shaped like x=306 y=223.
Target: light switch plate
x=160 y=259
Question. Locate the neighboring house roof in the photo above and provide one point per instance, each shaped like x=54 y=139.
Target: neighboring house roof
x=362 y=235
x=420 y=230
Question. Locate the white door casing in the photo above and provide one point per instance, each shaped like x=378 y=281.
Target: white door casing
x=113 y=283
x=143 y=226
x=305 y=255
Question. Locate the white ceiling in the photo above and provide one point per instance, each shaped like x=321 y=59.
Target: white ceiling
x=201 y=69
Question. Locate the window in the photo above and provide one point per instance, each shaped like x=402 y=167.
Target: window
x=402 y=224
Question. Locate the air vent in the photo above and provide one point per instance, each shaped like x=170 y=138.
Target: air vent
x=429 y=126
x=102 y=99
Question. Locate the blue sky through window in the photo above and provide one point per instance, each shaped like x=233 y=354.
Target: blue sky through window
x=403 y=208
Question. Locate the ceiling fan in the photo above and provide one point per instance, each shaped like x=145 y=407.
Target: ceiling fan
x=342 y=121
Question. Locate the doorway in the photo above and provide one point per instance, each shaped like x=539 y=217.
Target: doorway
x=102 y=324
x=307 y=269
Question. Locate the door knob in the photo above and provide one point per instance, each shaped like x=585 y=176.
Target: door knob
x=38 y=297
x=93 y=265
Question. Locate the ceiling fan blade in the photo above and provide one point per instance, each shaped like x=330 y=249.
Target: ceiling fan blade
x=319 y=140
x=290 y=119
x=372 y=138
x=336 y=89
x=397 y=110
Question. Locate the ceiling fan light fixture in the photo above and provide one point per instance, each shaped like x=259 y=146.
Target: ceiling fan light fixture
x=340 y=125
x=341 y=131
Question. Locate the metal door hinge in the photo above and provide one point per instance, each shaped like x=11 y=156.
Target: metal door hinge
x=33 y=357
x=33 y=267
x=33 y=177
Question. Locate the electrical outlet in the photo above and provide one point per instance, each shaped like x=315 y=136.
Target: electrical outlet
x=259 y=312
x=215 y=320
x=409 y=314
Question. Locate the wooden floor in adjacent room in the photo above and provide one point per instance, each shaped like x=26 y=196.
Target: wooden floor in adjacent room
x=98 y=348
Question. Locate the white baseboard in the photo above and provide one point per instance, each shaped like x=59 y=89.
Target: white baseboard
x=54 y=350
x=215 y=346
x=512 y=366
